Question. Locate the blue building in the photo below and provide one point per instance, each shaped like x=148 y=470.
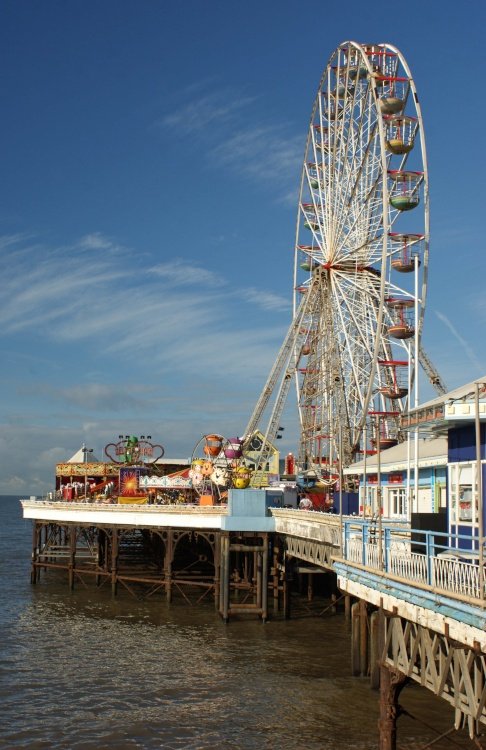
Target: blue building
x=393 y=488
x=460 y=416
x=446 y=448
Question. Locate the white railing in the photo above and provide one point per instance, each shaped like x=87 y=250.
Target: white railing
x=455 y=575
x=445 y=562
x=354 y=550
x=411 y=566
x=129 y=508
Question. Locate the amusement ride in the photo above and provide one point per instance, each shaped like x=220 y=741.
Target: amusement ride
x=360 y=266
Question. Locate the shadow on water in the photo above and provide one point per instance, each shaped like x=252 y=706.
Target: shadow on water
x=83 y=671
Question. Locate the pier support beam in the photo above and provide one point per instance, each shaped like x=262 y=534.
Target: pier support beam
x=100 y=554
x=168 y=560
x=217 y=570
x=114 y=560
x=347 y=607
x=264 y=595
x=224 y=577
x=275 y=576
x=377 y=646
x=287 y=584
x=359 y=639
x=243 y=573
x=72 y=555
x=363 y=638
x=36 y=534
x=391 y=684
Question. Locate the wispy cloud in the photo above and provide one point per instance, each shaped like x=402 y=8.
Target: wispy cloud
x=96 y=241
x=467 y=348
x=194 y=117
x=174 y=313
x=169 y=349
x=96 y=396
x=266 y=300
x=186 y=273
x=264 y=152
x=41 y=290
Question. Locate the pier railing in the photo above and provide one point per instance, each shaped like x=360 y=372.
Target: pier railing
x=442 y=561
x=184 y=508
x=308 y=524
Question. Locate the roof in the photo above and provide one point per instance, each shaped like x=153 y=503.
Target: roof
x=431 y=452
x=464 y=391
x=83 y=455
x=442 y=412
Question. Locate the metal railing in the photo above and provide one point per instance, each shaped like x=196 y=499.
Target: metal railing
x=128 y=508
x=444 y=561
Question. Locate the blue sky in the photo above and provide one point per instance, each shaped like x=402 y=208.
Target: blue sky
x=151 y=155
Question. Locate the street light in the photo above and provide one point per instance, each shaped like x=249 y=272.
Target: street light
x=479 y=491
x=86 y=451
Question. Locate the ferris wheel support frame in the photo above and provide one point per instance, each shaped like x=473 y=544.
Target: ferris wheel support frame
x=282 y=373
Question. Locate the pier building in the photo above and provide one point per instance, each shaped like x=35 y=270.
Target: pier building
x=387 y=481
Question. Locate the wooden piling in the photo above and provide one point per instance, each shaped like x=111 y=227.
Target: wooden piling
x=355 y=640
x=168 y=560
x=391 y=684
x=377 y=644
x=217 y=568
x=310 y=587
x=99 y=555
x=264 y=596
x=257 y=558
x=286 y=587
x=275 y=577
x=225 y=578
x=72 y=555
x=347 y=607
x=114 y=560
x=363 y=638
x=34 y=573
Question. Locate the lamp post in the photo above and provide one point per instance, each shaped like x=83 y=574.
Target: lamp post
x=479 y=491
x=416 y=386
x=379 y=494
x=340 y=482
x=86 y=451
x=365 y=482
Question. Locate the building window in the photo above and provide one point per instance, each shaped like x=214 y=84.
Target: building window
x=368 y=502
x=397 y=501
x=462 y=492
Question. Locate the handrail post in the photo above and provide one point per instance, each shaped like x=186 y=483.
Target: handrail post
x=429 y=551
x=380 y=497
x=364 y=541
x=479 y=495
x=387 y=549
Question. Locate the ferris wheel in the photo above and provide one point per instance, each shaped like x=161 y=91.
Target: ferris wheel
x=360 y=261
x=361 y=253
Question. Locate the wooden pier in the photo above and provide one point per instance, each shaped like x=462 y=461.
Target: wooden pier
x=149 y=553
